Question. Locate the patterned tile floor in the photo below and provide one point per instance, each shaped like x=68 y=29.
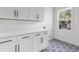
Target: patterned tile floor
x=60 y=46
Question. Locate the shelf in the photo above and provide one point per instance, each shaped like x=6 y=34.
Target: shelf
x=20 y=19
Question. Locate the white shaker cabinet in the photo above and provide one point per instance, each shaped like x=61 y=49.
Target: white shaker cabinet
x=25 y=43
x=37 y=42
x=36 y=13
x=14 y=13
x=40 y=41
x=29 y=13
x=44 y=40
x=8 y=45
x=22 y=13
x=32 y=42
x=6 y=12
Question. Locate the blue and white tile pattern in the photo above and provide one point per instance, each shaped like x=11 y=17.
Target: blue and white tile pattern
x=60 y=46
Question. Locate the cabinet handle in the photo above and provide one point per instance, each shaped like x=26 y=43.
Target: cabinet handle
x=5 y=41
x=25 y=37
x=41 y=40
x=37 y=16
x=15 y=48
x=18 y=47
x=15 y=13
x=37 y=34
x=45 y=33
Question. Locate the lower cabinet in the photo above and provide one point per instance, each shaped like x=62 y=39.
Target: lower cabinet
x=25 y=43
x=8 y=45
x=44 y=40
x=37 y=42
x=40 y=41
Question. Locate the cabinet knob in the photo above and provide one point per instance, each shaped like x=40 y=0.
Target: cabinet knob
x=37 y=16
x=42 y=40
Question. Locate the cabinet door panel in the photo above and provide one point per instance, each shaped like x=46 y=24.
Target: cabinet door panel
x=36 y=13
x=23 y=13
x=7 y=45
x=25 y=43
x=45 y=38
x=37 y=42
x=6 y=12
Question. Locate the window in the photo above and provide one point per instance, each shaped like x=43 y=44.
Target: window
x=64 y=19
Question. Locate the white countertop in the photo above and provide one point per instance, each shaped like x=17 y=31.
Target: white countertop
x=2 y=35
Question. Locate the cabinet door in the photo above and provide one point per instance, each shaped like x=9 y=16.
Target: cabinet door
x=44 y=40
x=22 y=13
x=8 y=45
x=37 y=42
x=6 y=12
x=36 y=13
x=25 y=43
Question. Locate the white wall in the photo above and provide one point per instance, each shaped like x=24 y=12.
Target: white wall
x=71 y=36
x=48 y=17
x=11 y=26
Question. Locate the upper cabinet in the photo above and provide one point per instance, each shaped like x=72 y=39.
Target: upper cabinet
x=22 y=13
x=36 y=13
x=6 y=12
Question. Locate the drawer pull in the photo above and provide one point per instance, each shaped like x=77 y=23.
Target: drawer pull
x=25 y=37
x=45 y=33
x=37 y=16
x=37 y=34
x=5 y=41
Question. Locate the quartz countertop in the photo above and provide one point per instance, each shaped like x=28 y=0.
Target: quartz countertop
x=2 y=35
